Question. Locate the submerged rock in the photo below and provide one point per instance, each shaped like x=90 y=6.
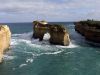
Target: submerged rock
x=58 y=34
x=89 y=29
x=5 y=36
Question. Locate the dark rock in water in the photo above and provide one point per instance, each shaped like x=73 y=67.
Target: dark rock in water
x=89 y=29
x=58 y=34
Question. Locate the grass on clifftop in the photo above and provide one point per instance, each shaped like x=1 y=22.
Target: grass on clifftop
x=91 y=23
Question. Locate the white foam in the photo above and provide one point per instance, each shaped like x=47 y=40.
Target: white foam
x=13 y=42
x=48 y=53
x=29 y=60
x=22 y=65
x=8 y=57
x=26 y=37
x=56 y=52
x=69 y=53
x=14 y=35
x=43 y=47
x=71 y=45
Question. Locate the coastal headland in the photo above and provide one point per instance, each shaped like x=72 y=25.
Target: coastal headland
x=90 y=29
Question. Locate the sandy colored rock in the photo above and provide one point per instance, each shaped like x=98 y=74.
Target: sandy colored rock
x=59 y=35
x=5 y=36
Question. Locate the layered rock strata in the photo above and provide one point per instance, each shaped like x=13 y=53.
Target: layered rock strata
x=89 y=29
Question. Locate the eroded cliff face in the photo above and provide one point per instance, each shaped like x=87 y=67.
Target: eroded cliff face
x=39 y=29
x=89 y=29
x=92 y=35
x=58 y=34
x=5 y=36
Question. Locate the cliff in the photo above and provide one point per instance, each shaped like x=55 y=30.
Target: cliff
x=5 y=36
x=58 y=34
x=89 y=29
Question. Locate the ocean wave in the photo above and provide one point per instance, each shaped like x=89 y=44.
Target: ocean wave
x=69 y=52
x=9 y=57
x=14 y=35
x=22 y=65
x=26 y=37
x=14 y=42
x=71 y=45
x=49 y=53
x=24 y=41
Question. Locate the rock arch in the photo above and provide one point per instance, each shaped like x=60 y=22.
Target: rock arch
x=58 y=34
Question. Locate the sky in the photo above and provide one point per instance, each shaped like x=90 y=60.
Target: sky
x=49 y=10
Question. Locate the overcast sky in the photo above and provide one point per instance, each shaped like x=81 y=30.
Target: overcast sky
x=50 y=10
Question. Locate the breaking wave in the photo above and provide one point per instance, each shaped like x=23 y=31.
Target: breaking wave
x=9 y=57
x=22 y=65
x=23 y=43
x=26 y=37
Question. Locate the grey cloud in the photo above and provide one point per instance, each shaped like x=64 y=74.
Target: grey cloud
x=60 y=9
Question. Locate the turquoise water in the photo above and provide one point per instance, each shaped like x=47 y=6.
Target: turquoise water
x=30 y=57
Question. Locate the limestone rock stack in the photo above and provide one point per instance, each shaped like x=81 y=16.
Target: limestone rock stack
x=5 y=36
x=58 y=34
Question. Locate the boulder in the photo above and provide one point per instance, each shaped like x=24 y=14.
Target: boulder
x=5 y=36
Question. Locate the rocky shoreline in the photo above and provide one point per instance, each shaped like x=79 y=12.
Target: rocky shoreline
x=58 y=33
x=89 y=29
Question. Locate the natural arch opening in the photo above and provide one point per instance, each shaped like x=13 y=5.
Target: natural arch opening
x=46 y=36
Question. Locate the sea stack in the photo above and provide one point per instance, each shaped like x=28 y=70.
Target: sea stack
x=90 y=29
x=39 y=29
x=58 y=34
x=5 y=36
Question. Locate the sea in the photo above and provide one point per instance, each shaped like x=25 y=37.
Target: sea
x=28 y=56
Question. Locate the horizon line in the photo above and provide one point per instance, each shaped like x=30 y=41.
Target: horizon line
x=31 y=22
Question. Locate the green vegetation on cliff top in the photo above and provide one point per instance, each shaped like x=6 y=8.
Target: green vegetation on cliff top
x=91 y=23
